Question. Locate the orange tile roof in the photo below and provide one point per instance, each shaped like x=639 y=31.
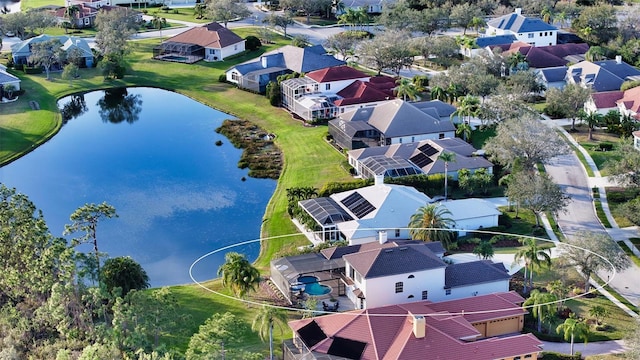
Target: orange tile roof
x=336 y=73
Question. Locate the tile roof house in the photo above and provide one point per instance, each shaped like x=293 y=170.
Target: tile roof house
x=391 y=160
x=210 y=42
x=480 y=328
x=7 y=79
x=603 y=102
x=84 y=17
x=530 y=30
x=359 y=215
x=393 y=122
x=539 y=57
x=606 y=75
x=385 y=272
x=552 y=78
x=22 y=50
x=629 y=104
x=255 y=74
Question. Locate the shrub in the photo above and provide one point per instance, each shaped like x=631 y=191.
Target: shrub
x=504 y=220
x=252 y=43
x=605 y=146
x=629 y=85
x=222 y=78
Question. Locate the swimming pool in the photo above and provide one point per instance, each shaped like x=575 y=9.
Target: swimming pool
x=312 y=286
x=175 y=58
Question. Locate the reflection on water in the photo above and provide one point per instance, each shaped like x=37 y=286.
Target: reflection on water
x=117 y=105
x=178 y=196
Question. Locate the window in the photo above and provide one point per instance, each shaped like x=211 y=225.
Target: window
x=531 y=35
x=441 y=136
x=400 y=141
x=397 y=233
x=327 y=86
x=410 y=297
x=235 y=47
x=234 y=76
x=413 y=139
x=447 y=292
x=87 y=21
x=425 y=295
x=410 y=276
x=399 y=287
x=352 y=273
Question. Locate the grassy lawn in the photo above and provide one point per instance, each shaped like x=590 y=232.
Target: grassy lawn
x=309 y=160
x=182 y=14
x=599 y=157
x=479 y=137
x=616 y=198
x=618 y=322
x=315 y=20
x=630 y=253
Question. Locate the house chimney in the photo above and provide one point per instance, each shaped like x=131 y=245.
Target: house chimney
x=264 y=62
x=618 y=59
x=419 y=326
x=382 y=236
x=378 y=180
x=518 y=11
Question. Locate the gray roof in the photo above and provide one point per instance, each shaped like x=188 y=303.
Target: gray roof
x=520 y=24
x=474 y=272
x=398 y=118
x=605 y=75
x=325 y=210
x=395 y=260
x=5 y=77
x=442 y=108
x=66 y=43
x=351 y=127
x=301 y=60
x=495 y=40
x=554 y=74
x=464 y=152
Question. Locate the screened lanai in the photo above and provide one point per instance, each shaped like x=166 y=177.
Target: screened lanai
x=389 y=167
x=178 y=52
x=327 y=213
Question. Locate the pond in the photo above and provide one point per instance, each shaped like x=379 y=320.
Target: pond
x=151 y=154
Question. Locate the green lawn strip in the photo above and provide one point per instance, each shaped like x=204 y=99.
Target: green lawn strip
x=524 y=224
x=315 y=20
x=181 y=14
x=629 y=253
x=554 y=226
x=33 y=4
x=479 y=137
x=582 y=159
x=618 y=214
x=599 y=157
x=601 y=215
x=615 y=294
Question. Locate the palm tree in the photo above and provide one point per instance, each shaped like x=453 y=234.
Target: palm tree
x=349 y=17
x=238 y=274
x=361 y=16
x=572 y=328
x=438 y=93
x=546 y=14
x=484 y=250
x=70 y=12
x=599 y=312
x=561 y=18
x=446 y=157
x=515 y=60
x=534 y=257
x=464 y=129
x=468 y=107
x=593 y=119
x=264 y=322
x=476 y=23
x=406 y=88
x=560 y=290
x=541 y=303
x=158 y=23
x=426 y=222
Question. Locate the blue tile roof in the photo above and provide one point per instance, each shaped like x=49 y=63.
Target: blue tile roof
x=554 y=74
x=520 y=24
x=495 y=40
x=301 y=60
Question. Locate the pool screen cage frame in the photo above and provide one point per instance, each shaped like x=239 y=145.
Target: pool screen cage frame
x=191 y=52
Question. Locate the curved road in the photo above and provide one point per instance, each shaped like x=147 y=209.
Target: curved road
x=568 y=172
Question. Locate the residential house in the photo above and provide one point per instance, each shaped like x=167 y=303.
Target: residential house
x=484 y=43
x=377 y=90
x=481 y=328
x=603 y=102
x=358 y=216
x=553 y=77
x=540 y=57
x=255 y=74
x=424 y=155
x=385 y=272
x=211 y=42
x=530 y=30
x=606 y=75
x=393 y=122
x=83 y=17
x=629 y=104
x=7 y=79
x=439 y=110
x=370 y=6
x=310 y=97
x=22 y=50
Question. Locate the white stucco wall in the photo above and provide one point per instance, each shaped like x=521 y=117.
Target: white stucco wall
x=477 y=289
x=381 y=291
x=230 y=76
x=476 y=223
x=336 y=86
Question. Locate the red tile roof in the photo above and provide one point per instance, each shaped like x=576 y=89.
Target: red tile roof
x=606 y=99
x=631 y=100
x=546 y=56
x=388 y=331
x=212 y=35
x=336 y=73
x=360 y=92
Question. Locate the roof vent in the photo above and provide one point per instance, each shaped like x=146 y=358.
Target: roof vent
x=518 y=11
x=419 y=326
